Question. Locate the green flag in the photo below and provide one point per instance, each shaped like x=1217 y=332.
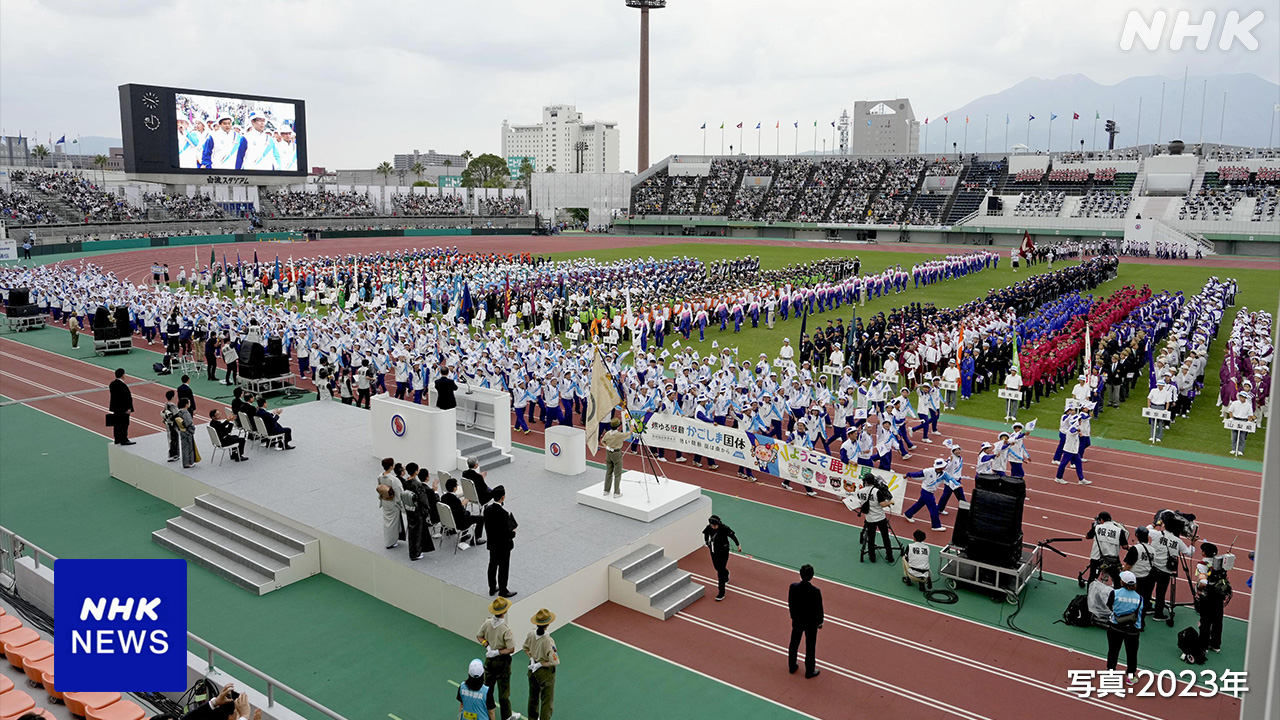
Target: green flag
x=721 y=126
x=1097 y=115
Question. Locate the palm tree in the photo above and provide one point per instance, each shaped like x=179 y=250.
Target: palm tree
x=466 y=158
x=385 y=169
x=526 y=180
x=417 y=170
x=40 y=152
x=101 y=162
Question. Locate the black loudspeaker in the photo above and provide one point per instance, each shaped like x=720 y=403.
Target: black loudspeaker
x=992 y=552
x=275 y=346
x=19 y=297
x=17 y=311
x=251 y=353
x=994 y=516
x=1006 y=485
x=102 y=318
x=275 y=366
x=994 y=204
x=960 y=532
x=122 y=322
x=105 y=332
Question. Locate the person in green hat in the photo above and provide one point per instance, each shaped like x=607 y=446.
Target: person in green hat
x=500 y=644
x=543 y=660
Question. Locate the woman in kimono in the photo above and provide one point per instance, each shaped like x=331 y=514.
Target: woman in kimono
x=392 y=526
x=186 y=433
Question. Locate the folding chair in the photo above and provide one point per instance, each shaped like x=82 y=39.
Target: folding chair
x=217 y=445
x=450 y=527
x=268 y=439
x=471 y=494
x=250 y=430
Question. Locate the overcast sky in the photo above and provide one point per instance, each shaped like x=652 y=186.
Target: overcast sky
x=382 y=77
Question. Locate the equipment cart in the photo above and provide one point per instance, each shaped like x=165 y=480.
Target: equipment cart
x=956 y=568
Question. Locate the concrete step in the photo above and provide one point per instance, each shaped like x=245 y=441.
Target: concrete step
x=628 y=564
x=247 y=536
x=213 y=561
x=228 y=546
x=277 y=531
x=665 y=585
x=681 y=600
x=498 y=461
x=650 y=572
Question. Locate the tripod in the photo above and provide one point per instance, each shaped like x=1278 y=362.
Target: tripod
x=1048 y=545
x=868 y=541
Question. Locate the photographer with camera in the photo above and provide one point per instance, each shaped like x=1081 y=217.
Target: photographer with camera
x=1108 y=538
x=1213 y=592
x=1166 y=549
x=228 y=704
x=872 y=499
x=1139 y=561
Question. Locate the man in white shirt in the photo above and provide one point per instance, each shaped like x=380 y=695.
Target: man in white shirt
x=1159 y=398
x=1240 y=409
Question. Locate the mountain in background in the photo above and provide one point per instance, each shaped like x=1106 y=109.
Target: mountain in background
x=1250 y=118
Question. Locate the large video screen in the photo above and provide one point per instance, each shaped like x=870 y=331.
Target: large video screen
x=229 y=133
x=174 y=130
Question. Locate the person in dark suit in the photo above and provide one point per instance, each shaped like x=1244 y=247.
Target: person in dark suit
x=805 y=602
x=501 y=527
x=473 y=474
x=445 y=388
x=226 y=435
x=461 y=516
x=271 y=418
x=184 y=391
x=211 y=347
x=120 y=406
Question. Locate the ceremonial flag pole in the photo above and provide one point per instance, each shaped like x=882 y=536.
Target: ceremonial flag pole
x=797 y=128
x=1096 y=116
x=704 y=138
x=722 y=138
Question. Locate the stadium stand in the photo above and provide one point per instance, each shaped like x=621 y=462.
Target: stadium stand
x=683 y=199
x=79 y=197
x=851 y=201
x=1266 y=209
x=182 y=207
x=321 y=203
x=821 y=190
x=506 y=206
x=721 y=185
x=20 y=208
x=1040 y=204
x=1103 y=204
x=787 y=186
x=428 y=204
x=901 y=178
x=1211 y=204
x=646 y=198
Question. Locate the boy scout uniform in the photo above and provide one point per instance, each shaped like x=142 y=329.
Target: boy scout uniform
x=541 y=650
x=496 y=635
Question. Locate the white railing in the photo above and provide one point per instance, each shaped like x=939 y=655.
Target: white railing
x=13 y=546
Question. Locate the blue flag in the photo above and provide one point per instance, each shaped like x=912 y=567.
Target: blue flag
x=1052 y=117
x=757 y=126
x=704 y=126
x=62 y=140
x=1033 y=117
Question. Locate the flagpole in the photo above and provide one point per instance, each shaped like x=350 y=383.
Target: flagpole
x=1029 y=132
x=1160 y=122
x=1204 y=100
x=946 y=128
x=1222 y=127
x=1006 y=134
x=815 y=136
x=1138 y=130
x=926 y=136
x=1049 y=144
x=986 y=132
x=966 y=135
x=797 y=129
x=1095 y=130
x=722 y=138
x=759 y=135
x=704 y=139
x=1182 y=114
x=777 y=138
x=741 y=149
x=1071 y=141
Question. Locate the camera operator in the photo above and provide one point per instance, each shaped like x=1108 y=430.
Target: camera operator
x=1166 y=547
x=1108 y=538
x=1138 y=560
x=228 y=704
x=1213 y=593
x=872 y=499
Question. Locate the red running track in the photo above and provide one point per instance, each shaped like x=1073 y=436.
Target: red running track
x=886 y=658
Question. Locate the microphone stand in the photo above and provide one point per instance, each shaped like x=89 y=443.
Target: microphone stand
x=1048 y=545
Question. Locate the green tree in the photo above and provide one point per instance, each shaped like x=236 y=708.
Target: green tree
x=417 y=170
x=526 y=180
x=101 y=162
x=550 y=168
x=385 y=170
x=466 y=158
x=40 y=152
x=483 y=171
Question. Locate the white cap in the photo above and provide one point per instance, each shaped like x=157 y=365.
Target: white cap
x=476 y=668
x=939 y=463
x=1128 y=578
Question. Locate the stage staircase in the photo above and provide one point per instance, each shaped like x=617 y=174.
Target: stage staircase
x=478 y=443
x=649 y=582
x=247 y=549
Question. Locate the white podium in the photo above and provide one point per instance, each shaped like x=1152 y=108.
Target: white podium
x=566 y=450
x=427 y=435
x=637 y=501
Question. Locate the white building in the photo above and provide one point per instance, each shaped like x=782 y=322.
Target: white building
x=885 y=127
x=553 y=142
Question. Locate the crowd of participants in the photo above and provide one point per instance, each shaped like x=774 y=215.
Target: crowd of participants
x=1104 y=204
x=428 y=204
x=321 y=203
x=1068 y=175
x=1095 y=156
x=1245 y=392
x=1210 y=204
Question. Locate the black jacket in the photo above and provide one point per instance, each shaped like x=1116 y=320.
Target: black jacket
x=500 y=527
x=805 y=602
x=121 y=397
x=482 y=487
x=184 y=391
x=718 y=539
x=445 y=388
x=223 y=428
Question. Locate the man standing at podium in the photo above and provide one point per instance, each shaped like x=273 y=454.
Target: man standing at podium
x=614 y=440
x=120 y=406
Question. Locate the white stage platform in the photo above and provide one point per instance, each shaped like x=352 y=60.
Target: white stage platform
x=644 y=498
x=325 y=488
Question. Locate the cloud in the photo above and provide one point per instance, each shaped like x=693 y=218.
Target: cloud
x=387 y=76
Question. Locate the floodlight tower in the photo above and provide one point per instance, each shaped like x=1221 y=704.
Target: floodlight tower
x=642 y=127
